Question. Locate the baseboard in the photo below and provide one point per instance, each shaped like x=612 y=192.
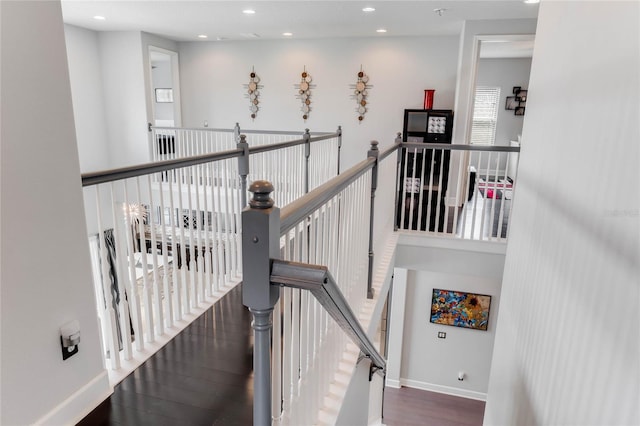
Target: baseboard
x=392 y=383
x=448 y=390
x=81 y=403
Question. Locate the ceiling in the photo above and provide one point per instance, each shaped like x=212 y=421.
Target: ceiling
x=224 y=20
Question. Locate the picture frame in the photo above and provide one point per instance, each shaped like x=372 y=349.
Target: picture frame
x=516 y=89
x=511 y=103
x=460 y=309
x=164 y=95
x=522 y=96
x=519 y=110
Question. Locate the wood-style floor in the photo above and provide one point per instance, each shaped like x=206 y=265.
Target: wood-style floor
x=414 y=407
x=202 y=377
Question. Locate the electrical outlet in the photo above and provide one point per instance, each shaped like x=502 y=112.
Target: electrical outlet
x=66 y=353
x=442 y=335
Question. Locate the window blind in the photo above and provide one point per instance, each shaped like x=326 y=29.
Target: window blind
x=485 y=115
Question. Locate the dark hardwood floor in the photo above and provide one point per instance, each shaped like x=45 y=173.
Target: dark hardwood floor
x=415 y=407
x=202 y=377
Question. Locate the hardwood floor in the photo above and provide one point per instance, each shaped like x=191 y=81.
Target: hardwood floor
x=202 y=377
x=414 y=407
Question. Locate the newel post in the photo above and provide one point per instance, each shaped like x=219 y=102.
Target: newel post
x=236 y=132
x=260 y=243
x=399 y=154
x=373 y=152
x=243 y=168
x=339 y=147
x=307 y=154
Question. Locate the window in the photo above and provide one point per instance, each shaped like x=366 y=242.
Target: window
x=485 y=115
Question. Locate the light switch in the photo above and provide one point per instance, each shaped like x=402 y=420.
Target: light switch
x=442 y=335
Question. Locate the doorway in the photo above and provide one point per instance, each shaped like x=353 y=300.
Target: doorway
x=165 y=87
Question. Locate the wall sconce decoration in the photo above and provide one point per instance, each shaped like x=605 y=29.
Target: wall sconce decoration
x=518 y=101
x=360 y=93
x=304 y=92
x=253 y=93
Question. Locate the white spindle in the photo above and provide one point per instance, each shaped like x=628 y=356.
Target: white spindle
x=155 y=284
x=123 y=305
x=110 y=315
x=134 y=296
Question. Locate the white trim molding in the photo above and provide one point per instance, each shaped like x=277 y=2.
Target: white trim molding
x=448 y=390
x=80 y=403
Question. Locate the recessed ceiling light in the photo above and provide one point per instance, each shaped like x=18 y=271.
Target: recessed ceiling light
x=369 y=9
x=248 y=11
x=532 y=1
x=202 y=36
x=99 y=18
x=287 y=34
x=381 y=30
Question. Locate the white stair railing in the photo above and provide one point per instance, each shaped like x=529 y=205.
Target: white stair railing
x=330 y=226
x=166 y=237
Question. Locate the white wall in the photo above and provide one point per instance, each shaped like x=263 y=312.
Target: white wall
x=432 y=363
x=213 y=74
x=505 y=74
x=121 y=56
x=567 y=345
x=45 y=266
x=425 y=361
x=85 y=74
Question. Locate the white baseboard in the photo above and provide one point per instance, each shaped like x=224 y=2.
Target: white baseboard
x=392 y=383
x=448 y=390
x=81 y=403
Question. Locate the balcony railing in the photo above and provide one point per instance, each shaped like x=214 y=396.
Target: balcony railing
x=166 y=236
x=461 y=191
x=170 y=235
x=309 y=268
x=322 y=246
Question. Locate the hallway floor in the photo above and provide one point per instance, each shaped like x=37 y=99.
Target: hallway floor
x=415 y=407
x=202 y=377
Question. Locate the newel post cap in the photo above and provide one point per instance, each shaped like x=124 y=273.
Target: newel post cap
x=261 y=189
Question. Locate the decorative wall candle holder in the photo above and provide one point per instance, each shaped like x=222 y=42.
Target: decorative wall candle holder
x=304 y=93
x=361 y=93
x=253 y=93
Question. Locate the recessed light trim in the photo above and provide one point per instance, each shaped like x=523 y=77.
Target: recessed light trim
x=381 y=30
x=249 y=11
x=532 y=1
x=203 y=36
x=99 y=18
x=368 y=9
x=287 y=34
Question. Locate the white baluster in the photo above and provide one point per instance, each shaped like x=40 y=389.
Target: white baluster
x=110 y=315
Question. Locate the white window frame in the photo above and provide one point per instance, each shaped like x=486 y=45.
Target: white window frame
x=485 y=115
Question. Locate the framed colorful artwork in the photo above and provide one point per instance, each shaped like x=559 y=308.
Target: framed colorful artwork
x=460 y=309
